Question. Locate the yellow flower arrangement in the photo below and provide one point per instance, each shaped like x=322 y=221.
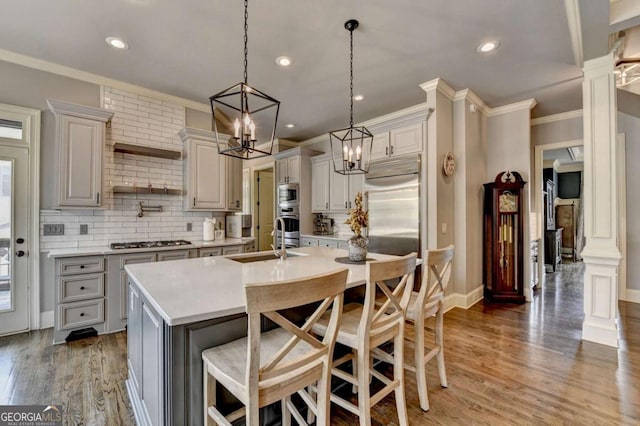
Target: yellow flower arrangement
x=358 y=217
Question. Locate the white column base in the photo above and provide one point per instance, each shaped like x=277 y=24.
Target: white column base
x=601 y=296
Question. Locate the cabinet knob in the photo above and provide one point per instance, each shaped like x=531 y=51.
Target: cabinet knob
x=81 y=314
x=81 y=266
x=82 y=288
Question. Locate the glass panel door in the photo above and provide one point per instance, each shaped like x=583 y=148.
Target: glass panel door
x=6 y=299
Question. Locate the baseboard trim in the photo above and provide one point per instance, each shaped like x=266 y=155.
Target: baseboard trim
x=632 y=295
x=464 y=301
x=46 y=319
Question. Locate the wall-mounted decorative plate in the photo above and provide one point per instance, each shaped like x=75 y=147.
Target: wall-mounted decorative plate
x=449 y=164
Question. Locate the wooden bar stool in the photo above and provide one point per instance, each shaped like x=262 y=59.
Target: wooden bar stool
x=365 y=327
x=423 y=304
x=264 y=368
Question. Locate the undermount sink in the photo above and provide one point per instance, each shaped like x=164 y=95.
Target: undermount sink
x=259 y=257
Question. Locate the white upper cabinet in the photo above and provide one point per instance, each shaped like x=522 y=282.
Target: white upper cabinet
x=80 y=140
x=338 y=190
x=400 y=141
x=356 y=184
x=204 y=172
x=320 y=170
x=288 y=169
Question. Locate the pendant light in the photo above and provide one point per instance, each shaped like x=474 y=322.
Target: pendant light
x=351 y=147
x=251 y=115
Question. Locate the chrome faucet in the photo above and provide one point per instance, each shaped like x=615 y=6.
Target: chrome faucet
x=282 y=253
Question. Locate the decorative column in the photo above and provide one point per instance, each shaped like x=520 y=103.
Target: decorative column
x=601 y=255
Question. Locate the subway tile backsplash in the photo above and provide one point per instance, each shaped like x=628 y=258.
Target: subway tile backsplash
x=138 y=120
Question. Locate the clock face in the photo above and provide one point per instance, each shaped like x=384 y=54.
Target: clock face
x=508 y=202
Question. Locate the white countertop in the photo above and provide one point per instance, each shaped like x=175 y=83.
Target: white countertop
x=190 y=290
x=106 y=250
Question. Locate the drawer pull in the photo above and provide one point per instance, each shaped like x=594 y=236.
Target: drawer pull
x=81 y=314
x=81 y=266
x=82 y=288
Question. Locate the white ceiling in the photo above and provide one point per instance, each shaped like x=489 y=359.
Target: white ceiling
x=193 y=49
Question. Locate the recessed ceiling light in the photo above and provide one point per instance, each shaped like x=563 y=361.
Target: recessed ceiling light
x=291 y=126
x=488 y=46
x=358 y=97
x=283 y=61
x=117 y=43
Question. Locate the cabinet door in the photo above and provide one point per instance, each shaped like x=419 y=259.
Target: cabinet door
x=320 y=186
x=406 y=140
x=293 y=169
x=133 y=337
x=209 y=252
x=234 y=184
x=207 y=176
x=380 y=146
x=282 y=170
x=356 y=184
x=308 y=242
x=81 y=153
x=338 y=191
x=152 y=365
x=173 y=255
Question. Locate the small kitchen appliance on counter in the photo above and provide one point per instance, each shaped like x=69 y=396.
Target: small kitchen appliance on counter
x=323 y=225
x=238 y=226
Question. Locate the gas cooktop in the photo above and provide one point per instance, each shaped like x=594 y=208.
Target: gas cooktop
x=149 y=244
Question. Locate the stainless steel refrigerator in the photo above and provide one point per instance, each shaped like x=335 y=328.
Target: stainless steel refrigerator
x=393 y=200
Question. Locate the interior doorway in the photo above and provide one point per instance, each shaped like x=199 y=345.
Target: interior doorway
x=263 y=191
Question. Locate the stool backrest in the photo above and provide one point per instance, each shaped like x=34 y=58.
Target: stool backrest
x=394 y=301
x=435 y=279
x=291 y=362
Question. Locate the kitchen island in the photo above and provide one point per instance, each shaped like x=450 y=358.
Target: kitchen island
x=179 y=308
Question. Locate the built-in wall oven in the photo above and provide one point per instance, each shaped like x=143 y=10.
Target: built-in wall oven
x=288 y=196
x=291 y=227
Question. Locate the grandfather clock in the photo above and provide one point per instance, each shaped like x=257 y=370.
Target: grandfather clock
x=503 y=238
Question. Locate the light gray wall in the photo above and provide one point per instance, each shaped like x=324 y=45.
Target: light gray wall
x=469 y=145
x=628 y=102
x=31 y=88
x=197 y=119
x=557 y=131
x=630 y=126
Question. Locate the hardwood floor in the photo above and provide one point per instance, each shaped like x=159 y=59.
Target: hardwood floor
x=506 y=364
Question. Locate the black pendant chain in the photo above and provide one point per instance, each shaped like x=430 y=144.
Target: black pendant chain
x=351 y=78
x=246 y=38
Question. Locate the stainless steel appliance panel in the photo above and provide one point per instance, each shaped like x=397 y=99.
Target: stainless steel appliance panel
x=288 y=195
x=393 y=201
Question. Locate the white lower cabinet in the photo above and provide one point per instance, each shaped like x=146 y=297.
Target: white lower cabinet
x=306 y=241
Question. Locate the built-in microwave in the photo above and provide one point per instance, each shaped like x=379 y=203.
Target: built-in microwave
x=288 y=195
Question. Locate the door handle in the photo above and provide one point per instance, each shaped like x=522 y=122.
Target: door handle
x=386 y=150
x=98 y=198
x=391 y=149
x=20 y=253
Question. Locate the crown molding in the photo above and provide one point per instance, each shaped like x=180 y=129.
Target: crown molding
x=505 y=109
x=62 y=70
x=440 y=85
x=557 y=117
x=412 y=113
x=575 y=30
x=67 y=108
x=469 y=95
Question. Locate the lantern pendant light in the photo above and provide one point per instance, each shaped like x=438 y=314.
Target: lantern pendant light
x=251 y=115
x=351 y=147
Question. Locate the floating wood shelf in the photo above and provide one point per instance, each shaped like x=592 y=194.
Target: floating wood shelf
x=123 y=189
x=146 y=150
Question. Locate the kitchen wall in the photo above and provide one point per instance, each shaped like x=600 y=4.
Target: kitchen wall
x=139 y=120
x=630 y=126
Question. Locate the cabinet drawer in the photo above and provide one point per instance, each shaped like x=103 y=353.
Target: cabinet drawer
x=131 y=259
x=328 y=243
x=213 y=251
x=81 y=287
x=80 y=265
x=81 y=314
x=343 y=245
x=233 y=250
x=173 y=255
x=308 y=242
